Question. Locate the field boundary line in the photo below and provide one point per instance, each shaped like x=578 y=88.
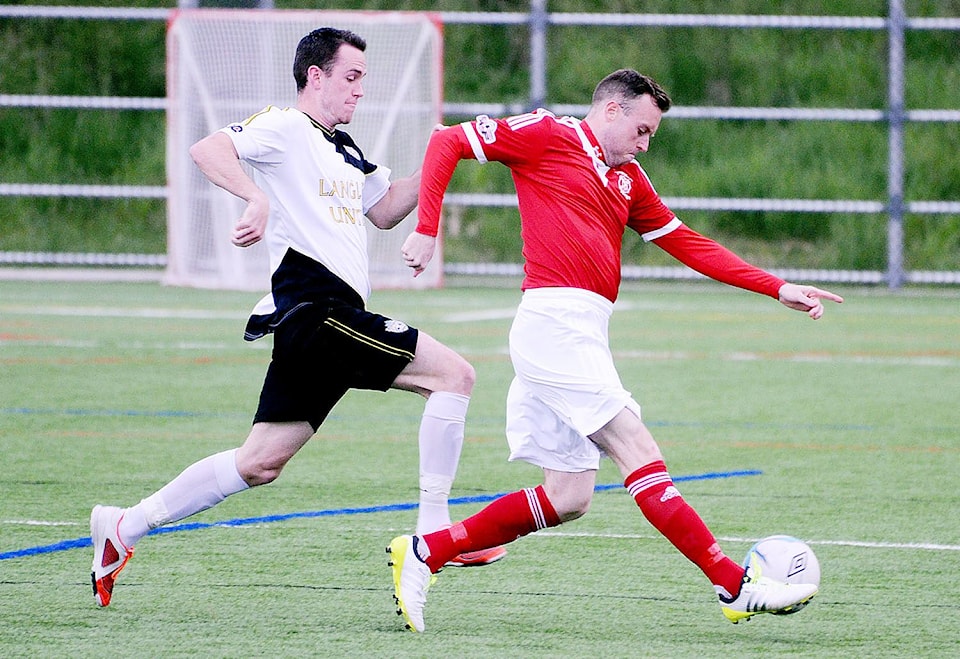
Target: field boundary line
x=839 y=543
x=79 y=543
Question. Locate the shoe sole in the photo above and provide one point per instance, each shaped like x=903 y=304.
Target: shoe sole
x=460 y=562
x=793 y=609
x=737 y=616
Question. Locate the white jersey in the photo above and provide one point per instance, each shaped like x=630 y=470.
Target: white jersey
x=320 y=187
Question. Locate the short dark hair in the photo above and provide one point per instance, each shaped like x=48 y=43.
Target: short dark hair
x=626 y=84
x=319 y=48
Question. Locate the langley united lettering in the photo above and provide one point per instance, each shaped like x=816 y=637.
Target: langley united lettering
x=346 y=215
x=344 y=190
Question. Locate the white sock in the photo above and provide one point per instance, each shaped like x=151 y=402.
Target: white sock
x=441 y=439
x=202 y=485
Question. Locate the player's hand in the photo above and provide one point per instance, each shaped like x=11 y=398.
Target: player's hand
x=250 y=227
x=417 y=251
x=806 y=298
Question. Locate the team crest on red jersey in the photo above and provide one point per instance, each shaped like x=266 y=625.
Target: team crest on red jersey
x=624 y=184
x=486 y=128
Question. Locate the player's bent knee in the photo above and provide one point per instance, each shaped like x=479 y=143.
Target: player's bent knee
x=569 y=508
x=466 y=377
x=259 y=469
x=261 y=475
x=568 y=515
x=457 y=376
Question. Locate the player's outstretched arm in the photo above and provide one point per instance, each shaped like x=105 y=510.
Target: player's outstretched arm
x=444 y=151
x=399 y=201
x=806 y=298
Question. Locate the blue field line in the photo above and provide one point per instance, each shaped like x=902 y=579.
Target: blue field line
x=80 y=543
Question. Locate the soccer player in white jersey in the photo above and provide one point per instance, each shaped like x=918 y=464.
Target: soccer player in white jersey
x=579 y=186
x=312 y=195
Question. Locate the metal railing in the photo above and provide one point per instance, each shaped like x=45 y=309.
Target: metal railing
x=539 y=20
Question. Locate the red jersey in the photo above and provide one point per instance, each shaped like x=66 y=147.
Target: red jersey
x=574 y=208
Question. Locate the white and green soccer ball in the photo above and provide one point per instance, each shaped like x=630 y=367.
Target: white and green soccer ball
x=784 y=558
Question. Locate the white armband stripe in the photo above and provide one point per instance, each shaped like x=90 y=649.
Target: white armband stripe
x=474 y=141
x=673 y=224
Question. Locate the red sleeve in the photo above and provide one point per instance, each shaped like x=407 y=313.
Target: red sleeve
x=717 y=262
x=444 y=150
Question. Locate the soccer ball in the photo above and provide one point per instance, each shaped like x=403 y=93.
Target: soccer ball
x=784 y=558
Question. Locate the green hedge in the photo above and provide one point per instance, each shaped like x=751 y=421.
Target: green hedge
x=706 y=66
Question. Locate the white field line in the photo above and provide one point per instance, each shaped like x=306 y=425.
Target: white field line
x=927 y=546
x=504 y=313
x=136 y=345
x=480 y=314
x=841 y=543
x=109 y=312
x=36 y=522
x=679 y=355
x=645 y=355
x=813 y=358
x=463 y=317
x=119 y=312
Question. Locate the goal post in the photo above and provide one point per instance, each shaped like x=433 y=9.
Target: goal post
x=225 y=65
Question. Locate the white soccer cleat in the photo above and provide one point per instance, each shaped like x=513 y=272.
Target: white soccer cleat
x=110 y=555
x=759 y=594
x=411 y=579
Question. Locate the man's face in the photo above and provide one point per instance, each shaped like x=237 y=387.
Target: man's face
x=340 y=91
x=629 y=129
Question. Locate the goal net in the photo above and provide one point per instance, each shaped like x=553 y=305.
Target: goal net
x=225 y=65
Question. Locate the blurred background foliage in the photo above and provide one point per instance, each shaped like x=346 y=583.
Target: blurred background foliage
x=490 y=63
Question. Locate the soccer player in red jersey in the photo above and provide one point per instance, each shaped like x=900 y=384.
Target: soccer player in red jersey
x=579 y=186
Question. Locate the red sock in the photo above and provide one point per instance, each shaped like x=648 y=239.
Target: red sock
x=504 y=520
x=661 y=503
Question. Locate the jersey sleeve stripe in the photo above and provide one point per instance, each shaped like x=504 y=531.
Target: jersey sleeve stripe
x=672 y=225
x=519 y=121
x=474 y=141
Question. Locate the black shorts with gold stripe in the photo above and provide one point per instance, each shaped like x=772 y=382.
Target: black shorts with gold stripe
x=325 y=342
x=320 y=352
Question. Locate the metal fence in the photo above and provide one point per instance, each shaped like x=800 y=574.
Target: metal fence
x=895 y=115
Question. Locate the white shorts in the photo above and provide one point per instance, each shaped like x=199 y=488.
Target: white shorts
x=566 y=385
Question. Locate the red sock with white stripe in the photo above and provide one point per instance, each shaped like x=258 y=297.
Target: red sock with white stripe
x=504 y=520
x=661 y=503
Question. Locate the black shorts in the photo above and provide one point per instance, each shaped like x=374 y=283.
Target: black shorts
x=320 y=351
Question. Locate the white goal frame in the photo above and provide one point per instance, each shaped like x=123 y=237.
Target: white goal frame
x=225 y=65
